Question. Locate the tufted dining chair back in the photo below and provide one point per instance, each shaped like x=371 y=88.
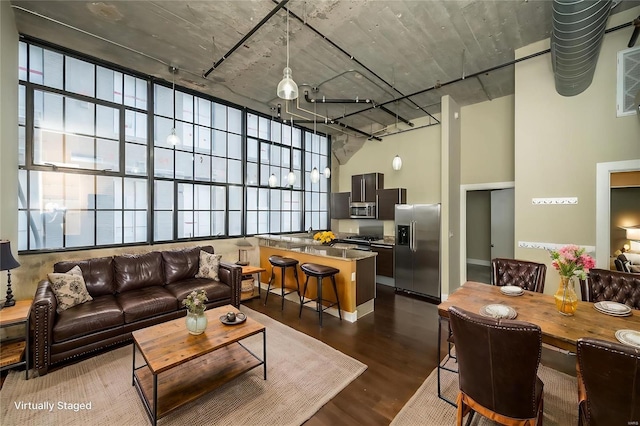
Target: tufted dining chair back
x=608 y=377
x=614 y=286
x=528 y=275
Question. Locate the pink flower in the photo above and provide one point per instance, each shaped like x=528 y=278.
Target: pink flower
x=555 y=264
x=586 y=261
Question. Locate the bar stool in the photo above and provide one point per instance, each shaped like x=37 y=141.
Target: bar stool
x=283 y=263
x=319 y=272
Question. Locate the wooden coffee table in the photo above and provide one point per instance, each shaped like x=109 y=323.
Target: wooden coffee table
x=181 y=367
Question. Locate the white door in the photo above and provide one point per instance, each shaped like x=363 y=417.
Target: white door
x=502 y=223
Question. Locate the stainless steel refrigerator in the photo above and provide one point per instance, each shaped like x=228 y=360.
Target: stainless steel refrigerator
x=417 y=255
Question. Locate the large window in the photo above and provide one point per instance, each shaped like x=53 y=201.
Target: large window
x=96 y=168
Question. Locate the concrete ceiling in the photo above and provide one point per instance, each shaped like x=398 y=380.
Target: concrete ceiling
x=378 y=50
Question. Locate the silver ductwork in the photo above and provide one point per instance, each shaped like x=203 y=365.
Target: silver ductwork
x=578 y=29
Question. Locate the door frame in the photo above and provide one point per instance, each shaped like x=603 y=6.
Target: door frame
x=603 y=206
x=463 y=218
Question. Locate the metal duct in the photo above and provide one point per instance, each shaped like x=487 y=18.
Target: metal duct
x=576 y=38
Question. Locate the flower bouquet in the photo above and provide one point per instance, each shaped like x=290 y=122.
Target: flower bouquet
x=195 y=301
x=570 y=261
x=324 y=237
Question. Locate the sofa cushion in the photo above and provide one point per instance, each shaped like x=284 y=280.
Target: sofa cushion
x=69 y=289
x=215 y=290
x=101 y=313
x=97 y=274
x=133 y=272
x=209 y=265
x=182 y=264
x=146 y=302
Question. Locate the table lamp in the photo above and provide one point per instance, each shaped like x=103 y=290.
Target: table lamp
x=7 y=263
x=243 y=257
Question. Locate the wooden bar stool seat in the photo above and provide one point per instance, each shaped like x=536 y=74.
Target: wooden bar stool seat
x=320 y=272
x=283 y=263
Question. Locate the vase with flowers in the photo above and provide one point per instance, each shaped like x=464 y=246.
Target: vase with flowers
x=572 y=263
x=196 y=320
x=325 y=237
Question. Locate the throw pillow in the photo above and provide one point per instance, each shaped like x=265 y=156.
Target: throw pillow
x=209 y=264
x=69 y=289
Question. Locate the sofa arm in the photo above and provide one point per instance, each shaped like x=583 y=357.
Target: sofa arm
x=231 y=275
x=42 y=318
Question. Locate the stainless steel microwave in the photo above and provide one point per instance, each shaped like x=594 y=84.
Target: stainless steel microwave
x=363 y=210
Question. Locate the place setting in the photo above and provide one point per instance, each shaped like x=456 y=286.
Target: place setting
x=511 y=290
x=629 y=337
x=498 y=311
x=612 y=308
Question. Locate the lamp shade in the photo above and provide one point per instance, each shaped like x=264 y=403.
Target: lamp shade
x=291 y=178
x=273 y=180
x=7 y=261
x=287 y=88
x=173 y=139
x=633 y=234
x=396 y=163
x=327 y=172
x=315 y=175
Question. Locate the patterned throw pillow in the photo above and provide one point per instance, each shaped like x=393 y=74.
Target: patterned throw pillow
x=209 y=264
x=69 y=288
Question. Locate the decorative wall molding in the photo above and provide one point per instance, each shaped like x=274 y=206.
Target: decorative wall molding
x=550 y=246
x=556 y=200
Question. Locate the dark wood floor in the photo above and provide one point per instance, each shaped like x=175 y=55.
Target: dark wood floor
x=398 y=343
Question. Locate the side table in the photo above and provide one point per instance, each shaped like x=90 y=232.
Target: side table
x=249 y=271
x=13 y=349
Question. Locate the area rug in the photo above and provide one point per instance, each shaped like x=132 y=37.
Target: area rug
x=303 y=374
x=425 y=408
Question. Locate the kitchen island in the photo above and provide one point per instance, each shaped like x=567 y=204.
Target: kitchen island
x=356 y=281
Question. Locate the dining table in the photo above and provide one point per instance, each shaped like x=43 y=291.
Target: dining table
x=558 y=330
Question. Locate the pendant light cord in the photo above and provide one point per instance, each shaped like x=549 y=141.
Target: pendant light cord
x=287 y=37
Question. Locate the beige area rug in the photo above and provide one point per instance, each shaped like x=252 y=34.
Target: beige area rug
x=303 y=374
x=425 y=408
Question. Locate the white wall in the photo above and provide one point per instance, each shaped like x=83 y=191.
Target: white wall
x=558 y=142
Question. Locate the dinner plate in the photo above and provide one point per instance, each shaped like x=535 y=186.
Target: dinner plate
x=613 y=308
x=629 y=337
x=498 y=311
x=240 y=318
x=511 y=290
x=628 y=314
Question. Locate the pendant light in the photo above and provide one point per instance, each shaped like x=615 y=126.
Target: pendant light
x=287 y=88
x=273 y=179
x=327 y=172
x=291 y=178
x=315 y=175
x=173 y=139
x=396 y=163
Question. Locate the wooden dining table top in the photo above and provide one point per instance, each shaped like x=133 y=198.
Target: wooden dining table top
x=557 y=330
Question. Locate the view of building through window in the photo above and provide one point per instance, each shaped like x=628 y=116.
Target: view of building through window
x=95 y=167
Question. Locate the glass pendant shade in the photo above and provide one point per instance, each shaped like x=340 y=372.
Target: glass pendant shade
x=327 y=172
x=273 y=180
x=315 y=175
x=291 y=178
x=396 y=163
x=287 y=88
x=173 y=139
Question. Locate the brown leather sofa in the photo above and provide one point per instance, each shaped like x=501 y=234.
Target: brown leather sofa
x=129 y=292
x=603 y=284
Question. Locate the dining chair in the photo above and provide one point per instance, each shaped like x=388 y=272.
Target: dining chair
x=608 y=378
x=522 y=273
x=498 y=363
x=606 y=285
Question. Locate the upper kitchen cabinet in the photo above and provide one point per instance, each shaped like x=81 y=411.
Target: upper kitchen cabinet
x=387 y=200
x=340 y=202
x=364 y=187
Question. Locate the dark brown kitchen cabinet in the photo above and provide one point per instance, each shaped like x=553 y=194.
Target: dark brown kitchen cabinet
x=387 y=200
x=384 y=259
x=340 y=205
x=364 y=187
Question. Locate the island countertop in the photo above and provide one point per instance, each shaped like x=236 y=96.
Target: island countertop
x=303 y=244
x=355 y=281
